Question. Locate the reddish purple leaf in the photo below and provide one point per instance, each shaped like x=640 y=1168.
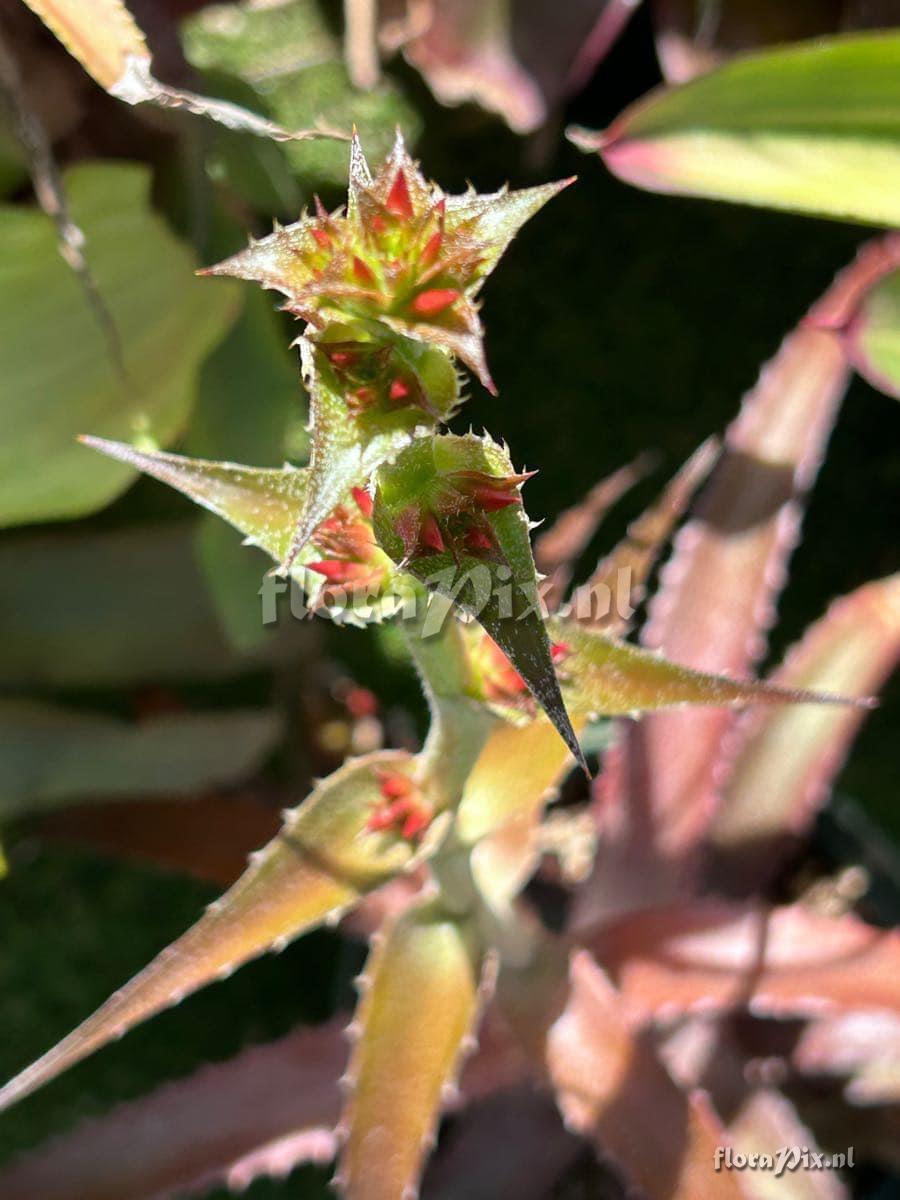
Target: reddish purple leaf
x=785 y=761
x=712 y=956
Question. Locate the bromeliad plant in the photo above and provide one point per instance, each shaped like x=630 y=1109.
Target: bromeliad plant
x=396 y=518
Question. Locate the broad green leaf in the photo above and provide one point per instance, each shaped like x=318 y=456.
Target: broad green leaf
x=118 y=608
x=813 y=127
x=291 y=57
x=605 y=677
x=56 y=376
x=873 y=335
x=784 y=760
x=50 y=756
x=419 y=1002
x=347 y=447
x=322 y=861
x=497 y=583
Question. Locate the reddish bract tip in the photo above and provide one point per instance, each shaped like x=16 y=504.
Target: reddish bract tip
x=399 y=203
x=394 y=786
x=399 y=390
x=430 y=534
x=477 y=540
x=362 y=272
x=434 y=301
x=363 y=500
x=432 y=248
x=323 y=238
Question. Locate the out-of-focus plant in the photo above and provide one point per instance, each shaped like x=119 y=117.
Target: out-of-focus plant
x=396 y=519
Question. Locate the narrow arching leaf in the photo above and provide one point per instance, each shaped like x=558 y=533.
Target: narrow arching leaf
x=263 y=504
x=717 y=593
x=617 y=586
x=605 y=677
x=104 y=41
x=813 y=128
x=557 y=549
x=419 y=1004
x=51 y=756
x=782 y=962
x=448 y=511
x=328 y=853
x=784 y=762
x=262 y=1113
x=166 y=322
x=110 y=46
x=266 y=506
x=612 y=1087
x=350 y=443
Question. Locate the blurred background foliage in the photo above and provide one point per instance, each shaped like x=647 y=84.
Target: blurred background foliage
x=133 y=661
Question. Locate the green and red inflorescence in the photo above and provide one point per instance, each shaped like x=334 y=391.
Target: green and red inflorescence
x=387 y=289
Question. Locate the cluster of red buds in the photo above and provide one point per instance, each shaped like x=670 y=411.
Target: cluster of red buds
x=401 y=810
x=403 y=254
x=372 y=376
x=351 y=556
x=455 y=517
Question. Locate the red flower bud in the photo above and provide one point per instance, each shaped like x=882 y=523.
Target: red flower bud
x=434 y=301
x=363 y=501
x=430 y=534
x=399 y=203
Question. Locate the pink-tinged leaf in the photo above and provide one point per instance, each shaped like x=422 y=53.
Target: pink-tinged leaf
x=716 y=600
x=612 y=1088
x=518 y=61
x=765 y=1124
x=784 y=762
x=713 y=956
x=558 y=548
x=617 y=586
x=862 y=1047
x=325 y=857
x=809 y=127
x=173 y=835
x=264 y=1112
x=419 y=1004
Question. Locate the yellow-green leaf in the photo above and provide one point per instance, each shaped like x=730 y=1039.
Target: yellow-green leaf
x=324 y=858
x=419 y=1003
